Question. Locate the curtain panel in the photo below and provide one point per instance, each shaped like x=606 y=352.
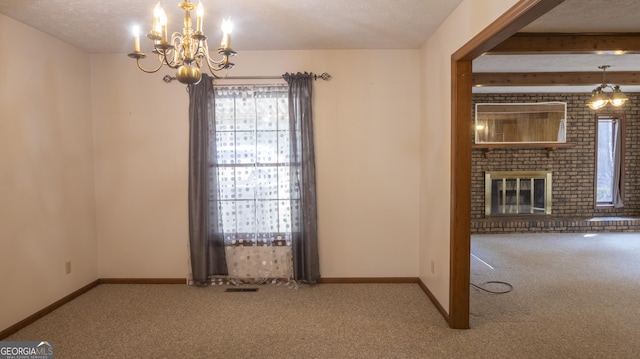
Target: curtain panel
x=304 y=244
x=617 y=164
x=206 y=242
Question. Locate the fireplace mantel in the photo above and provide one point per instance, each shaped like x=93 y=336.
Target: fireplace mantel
x=550 y=146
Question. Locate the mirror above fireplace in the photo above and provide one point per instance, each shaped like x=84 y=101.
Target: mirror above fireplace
x=502 y=123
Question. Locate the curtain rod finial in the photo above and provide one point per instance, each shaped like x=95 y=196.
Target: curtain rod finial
x=325 y=76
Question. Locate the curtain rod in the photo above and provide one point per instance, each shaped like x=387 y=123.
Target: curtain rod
x=324 y=76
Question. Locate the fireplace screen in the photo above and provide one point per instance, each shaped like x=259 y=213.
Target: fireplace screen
x=517 y=193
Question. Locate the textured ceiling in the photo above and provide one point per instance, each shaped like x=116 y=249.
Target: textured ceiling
x=590 y=16
x=105 y=26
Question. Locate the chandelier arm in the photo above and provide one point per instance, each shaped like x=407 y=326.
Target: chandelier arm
x=209 y=60
x=170 y=54
x=149 y=71
x=172 y=64
x=220 y=63
x=226 y=72
x=217 y=65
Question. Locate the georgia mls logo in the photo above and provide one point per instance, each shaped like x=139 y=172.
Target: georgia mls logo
x=26 y=350
x=46 y=345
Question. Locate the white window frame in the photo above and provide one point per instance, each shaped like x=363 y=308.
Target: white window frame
x=621 y=122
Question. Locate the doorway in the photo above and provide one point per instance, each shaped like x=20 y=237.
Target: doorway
x=521 y=14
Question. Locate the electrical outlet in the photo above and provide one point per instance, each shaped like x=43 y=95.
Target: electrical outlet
x=67 y=267
x=433 y=267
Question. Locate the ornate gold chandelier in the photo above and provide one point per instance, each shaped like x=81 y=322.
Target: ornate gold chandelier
x=187 y=52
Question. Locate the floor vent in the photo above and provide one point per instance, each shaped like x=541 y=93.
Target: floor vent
x=241 y=290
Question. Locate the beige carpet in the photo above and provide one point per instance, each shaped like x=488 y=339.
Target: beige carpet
x=573 y=297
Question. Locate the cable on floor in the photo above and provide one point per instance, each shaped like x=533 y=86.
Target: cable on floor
x=509 y=287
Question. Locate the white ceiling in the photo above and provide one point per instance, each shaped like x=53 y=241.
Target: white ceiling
x=590 y=16
x=105 y=27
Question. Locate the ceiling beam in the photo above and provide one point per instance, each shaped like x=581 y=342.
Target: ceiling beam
x=564 y=43
x=553 y=78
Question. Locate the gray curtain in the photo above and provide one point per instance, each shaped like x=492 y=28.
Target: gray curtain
x=206 y=243
x=306 y=266
x=617 y=165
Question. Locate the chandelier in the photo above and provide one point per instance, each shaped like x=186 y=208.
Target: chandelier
x=187 y=52
x=600 y=99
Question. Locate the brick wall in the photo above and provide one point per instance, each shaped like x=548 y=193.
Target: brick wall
x=573 y=168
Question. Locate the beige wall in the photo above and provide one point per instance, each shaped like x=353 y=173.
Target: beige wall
x=382 y=138
x=46 y=171
x=471 y=17
x=367 y=142
x=140 y=140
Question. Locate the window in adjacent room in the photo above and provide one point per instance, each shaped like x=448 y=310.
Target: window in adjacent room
x=609 y=160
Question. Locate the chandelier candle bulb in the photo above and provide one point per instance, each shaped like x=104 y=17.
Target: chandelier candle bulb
x=227 y=27
x=199 y=13
x=156 y=19
x=136 y=39
x=224 y=44
x=163 y=25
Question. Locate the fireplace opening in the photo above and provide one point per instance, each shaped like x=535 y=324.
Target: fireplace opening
x=514 y=193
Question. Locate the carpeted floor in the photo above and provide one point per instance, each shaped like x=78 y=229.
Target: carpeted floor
x=573 y=297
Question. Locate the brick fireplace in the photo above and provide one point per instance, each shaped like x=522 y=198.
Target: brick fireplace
x=572 y=194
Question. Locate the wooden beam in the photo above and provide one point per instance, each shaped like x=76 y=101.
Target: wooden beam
x=564 y=43
x=481 y=79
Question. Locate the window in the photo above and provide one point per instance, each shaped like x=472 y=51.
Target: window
x=252 y=152
x=609 y=155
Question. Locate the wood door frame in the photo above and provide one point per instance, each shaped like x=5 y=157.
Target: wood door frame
x=518 y=16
